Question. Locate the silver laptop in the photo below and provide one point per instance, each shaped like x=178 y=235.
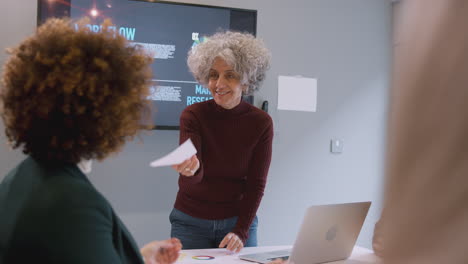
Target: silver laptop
x=328 y=233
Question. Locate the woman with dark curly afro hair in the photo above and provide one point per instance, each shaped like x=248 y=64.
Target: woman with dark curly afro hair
x=69 y=96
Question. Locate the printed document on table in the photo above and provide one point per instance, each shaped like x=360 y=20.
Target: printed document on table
x=177 y=156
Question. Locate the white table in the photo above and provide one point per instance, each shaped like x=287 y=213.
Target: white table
x=360 y=255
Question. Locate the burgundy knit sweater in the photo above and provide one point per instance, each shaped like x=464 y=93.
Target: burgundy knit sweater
x=234 y=148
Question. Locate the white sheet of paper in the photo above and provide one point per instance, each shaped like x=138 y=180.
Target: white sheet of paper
x=297 y=93
x=177 y=156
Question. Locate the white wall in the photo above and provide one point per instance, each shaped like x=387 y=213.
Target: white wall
x=346 y=45
x=17 y=21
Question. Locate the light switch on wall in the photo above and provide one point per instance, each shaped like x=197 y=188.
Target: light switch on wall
x=336 y=146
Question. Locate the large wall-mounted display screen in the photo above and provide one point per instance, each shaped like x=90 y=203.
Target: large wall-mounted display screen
x=167 y=30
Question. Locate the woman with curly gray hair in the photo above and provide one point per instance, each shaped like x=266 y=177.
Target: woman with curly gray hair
x=220 y=188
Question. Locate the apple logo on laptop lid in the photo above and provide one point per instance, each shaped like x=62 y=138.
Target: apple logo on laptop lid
x=331 y=233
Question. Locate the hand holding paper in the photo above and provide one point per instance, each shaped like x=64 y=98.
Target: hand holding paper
x=177 y=156
x=189 y=167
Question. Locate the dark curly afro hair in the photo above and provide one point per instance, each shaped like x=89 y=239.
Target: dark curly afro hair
x=70 y=94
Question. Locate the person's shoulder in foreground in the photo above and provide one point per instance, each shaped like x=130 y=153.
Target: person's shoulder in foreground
x=54 y=214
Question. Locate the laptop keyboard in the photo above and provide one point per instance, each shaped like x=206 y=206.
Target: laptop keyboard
x=281 y=258
x=280 y=254
x=268 y=256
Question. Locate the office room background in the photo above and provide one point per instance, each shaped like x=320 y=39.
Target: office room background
x=345 y=44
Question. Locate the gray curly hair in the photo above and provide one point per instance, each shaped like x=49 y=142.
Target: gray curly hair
x=247 y=55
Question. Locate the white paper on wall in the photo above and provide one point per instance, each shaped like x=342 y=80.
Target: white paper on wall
x=297 y=93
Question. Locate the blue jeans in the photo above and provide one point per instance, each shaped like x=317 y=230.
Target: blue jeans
x=195 y=233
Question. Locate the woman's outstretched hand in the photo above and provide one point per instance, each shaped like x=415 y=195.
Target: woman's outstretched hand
x=161 y=252
x=189 y=167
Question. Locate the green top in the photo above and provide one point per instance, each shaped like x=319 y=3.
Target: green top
x=53 y=214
